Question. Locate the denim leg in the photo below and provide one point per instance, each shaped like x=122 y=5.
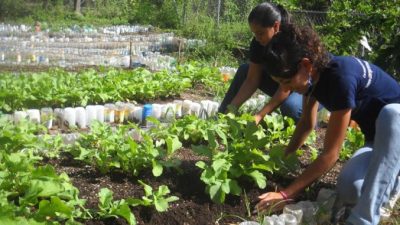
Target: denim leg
x=382 y=171
x=351 y=177
x=292 y=106
x=237 y=82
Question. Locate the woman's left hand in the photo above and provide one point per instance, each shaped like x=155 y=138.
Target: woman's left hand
x=270 y=201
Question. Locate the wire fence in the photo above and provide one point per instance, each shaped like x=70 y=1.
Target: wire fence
x=308 y=17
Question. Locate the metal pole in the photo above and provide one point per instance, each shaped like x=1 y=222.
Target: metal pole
x=130 y=53
x=218 y=9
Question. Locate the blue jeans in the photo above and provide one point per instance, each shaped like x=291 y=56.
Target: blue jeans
x=369 y=178
x=291 y=107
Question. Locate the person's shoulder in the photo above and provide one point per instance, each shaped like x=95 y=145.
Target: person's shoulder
x=255 y=44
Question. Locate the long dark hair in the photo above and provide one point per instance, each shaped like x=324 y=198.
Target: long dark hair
x=265 y=14
x=289 y=46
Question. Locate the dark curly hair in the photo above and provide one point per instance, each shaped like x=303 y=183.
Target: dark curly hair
x=288 y=47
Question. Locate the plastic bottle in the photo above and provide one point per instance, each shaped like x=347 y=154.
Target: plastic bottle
x=46 y=116
x=249 y=223
x=58 y=115
x=119 y=113
x=157 y=110
x=109 y=113
x=277 y=220
x=91 y=114
x=213 y=108
x=69 y=119
x=81 y=117
x=33 y=57
x=289 y=219
x=268 y=221
x=186 y=110
x=138 y=114
x=195 y=109
x=169 y=112
x=100 y=113
x=129 y=109
x=147 y=111
x=309 y=212
x=126 y=61
x=204 y=112
x=294 y=210
x=178 y=108
x=19 y=116
x=19 y=58
x=33 y=115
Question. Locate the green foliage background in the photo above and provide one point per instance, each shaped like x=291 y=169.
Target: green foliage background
x=224 y=26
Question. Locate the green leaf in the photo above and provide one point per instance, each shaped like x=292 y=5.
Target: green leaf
x=163 y=190
x=54 y=207
x=173 y=144
x=157 y=168
x=259 y=178
x=4 y=220
x=225 y=187
x=220 y=164
x=134 y=201
x=212 y=141
x=201 y=164
x=124 y=211
x=161 y=205
x=216 y=194
x=234 y=187
x=148 y=190
x=105 y=198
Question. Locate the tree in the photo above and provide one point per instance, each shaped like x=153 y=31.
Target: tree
x=77 y=6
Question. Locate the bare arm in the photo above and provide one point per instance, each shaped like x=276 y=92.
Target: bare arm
x=305 y=125
x=334 y=138
x=249 y=86
x=276 y=100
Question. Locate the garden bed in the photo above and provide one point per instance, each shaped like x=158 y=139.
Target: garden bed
x=194 y=205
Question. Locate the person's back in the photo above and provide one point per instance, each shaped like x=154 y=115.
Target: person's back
x=369 y=86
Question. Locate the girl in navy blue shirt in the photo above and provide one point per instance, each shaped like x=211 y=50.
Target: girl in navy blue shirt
x=351 y=89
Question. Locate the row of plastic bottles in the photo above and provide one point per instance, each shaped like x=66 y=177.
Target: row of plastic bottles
x=117 y=29
x=65 y=38
x=153 y=60
x=14 y=28
x=119 y=113
x=76 y=49
x=82 y=116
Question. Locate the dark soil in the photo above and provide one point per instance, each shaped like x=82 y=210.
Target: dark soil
x=194 y=205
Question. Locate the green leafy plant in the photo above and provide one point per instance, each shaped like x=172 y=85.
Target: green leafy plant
x=239 y=151
x=354 y=141
x=159 y=198
x=109 y=149
x=109 y=208
x=36 y=194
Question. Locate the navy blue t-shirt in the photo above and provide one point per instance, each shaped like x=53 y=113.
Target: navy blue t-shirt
x=257 y=55
x=349 y=82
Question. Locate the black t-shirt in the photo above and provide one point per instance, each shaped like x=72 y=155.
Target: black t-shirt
x=257 y=56
x=349 y=82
